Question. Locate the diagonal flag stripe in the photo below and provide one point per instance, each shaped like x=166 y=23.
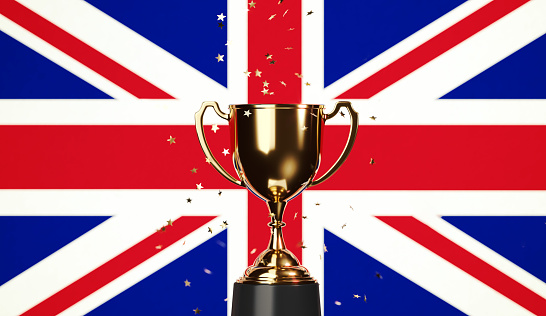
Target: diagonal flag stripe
x=117 y=266
x=80 y=51
x=466 y=261
x=432 y=48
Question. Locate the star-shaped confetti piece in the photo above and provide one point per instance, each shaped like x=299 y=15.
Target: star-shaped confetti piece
x=158 y=247
x=194 y=170
x=215 y=128
x=266 y=83
x=365 y=299
x=343 y=226
x=210 y=230
x=373 y=117
x=221 y=16
x=199 y=186
x=317 y=204
x=224 y=224
x=338 y=303
x=252 y=4
x=271 y=17
x=170 y=222
x=225 y=152
x=268 y=56
x=298 y=75
x=272 y=62
x=247 y=73
x=265 y=91
x=372 y=161
x=207 y=271
x=220 y=25
x=188 y=200
x=310 y=12
x=171 y=140
x=219 y=193
x=207 y=160
x=356 y=296
x=247 y=113
x=283 y=83
x=197 y=311
x=220 y=58
x=258 y=73
x=378 y=275
x=288 y=48
x=295 y=215
x=324 y=246
x=304 y=217
x=187 y=283
x=307 y=84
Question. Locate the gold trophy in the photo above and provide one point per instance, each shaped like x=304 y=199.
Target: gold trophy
x=276 y=153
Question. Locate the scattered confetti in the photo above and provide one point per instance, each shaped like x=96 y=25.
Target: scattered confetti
x=266 y=83
x=298 y=75
x=284 y=84
x=247 y=73
x=252 y=4
x=301 y=245
x=247 y=113
x=272 y=62
x=207 y=271
x=220 y=25
x=170 y=222
x=317 y=204
x=187 y=283
x=291 y=29
x=189 y=200
x=351 y=208
x=343 y=226
x=253 y=251
x=226 y=299
x=288 y=48
x=265 y=91
x=221 y=16
x=158 y=247
x=271 y=17
x=224 y=224
x=220 y=58
x=342 y=114
x=356 y=296
x=372 y=161
x=197 y=311
x=171 y=140
x=295 y=215
x=304 y=217
x=310 y=12
x=215 y=128
x=365 y=299
x=225 y=152
x=258 y=73
x=207 y=160
x=199 y=186
x=307 y=84
x=337 y=303
x=373 y=117
x=325 y=250
x=378 y=275
x=284 y=11
x=219 y=193
x=210 y=230
x=194 y=170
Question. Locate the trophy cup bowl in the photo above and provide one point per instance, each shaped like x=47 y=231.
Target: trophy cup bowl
x=276 y=153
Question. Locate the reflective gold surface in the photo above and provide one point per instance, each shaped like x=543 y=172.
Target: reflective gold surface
x=276 y=152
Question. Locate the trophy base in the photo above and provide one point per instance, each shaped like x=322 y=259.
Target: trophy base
x=276 y=300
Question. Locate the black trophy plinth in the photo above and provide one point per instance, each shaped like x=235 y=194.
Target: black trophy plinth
x=276 y=300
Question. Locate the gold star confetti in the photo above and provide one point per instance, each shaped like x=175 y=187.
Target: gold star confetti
x=324 y=246
x=295 y=215
x=188 y=200
x=225 y=300
x=284 y=84
x=247 y=113
x=307 y=84
x=310 y=12
x=365 y=299
x=253 y=251
x=163 y=228
x=372 y=162
x=220 y=25
x=337 y=303
x=342 y=114
x=373 y=117
x=220 y=58
x=207 y=271
x=210 y=230
x=301 y=245
x=207 y=160
x=378 y=275
x=171 y=140
x=266 y=83
x=252 y=4
x=356 y=296
x=194 y=170
x=221 y=16
x=225 y=152
x=304 y=217
x=288 y=48
x=219 y=193
x=158 y=247
x=272 y=62
x=284 y=12
x=224 y=224
x=197 y=311
x=247 y=73
x=265 y=91
x=268 y=56
x=317 y=204
x=343 y=226
x=258 y=73
x=291 y=29
x=170 y=222
x=158 y=230
x=199 y=186
x=215 y=128
x=187 y=283
x=271 y=17
x=271 y=93
x=298 y=75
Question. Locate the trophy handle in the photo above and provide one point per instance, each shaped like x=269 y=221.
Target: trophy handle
x=203 y=141
x=348 y=145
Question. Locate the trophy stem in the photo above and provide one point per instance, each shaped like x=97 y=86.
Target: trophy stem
x=276 y=210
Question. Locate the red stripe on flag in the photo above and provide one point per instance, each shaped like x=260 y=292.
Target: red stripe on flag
x=432 y=48
x=464 y=260
x=80 y=51
x=274 y=49
x=117 y=266
x=406 y=158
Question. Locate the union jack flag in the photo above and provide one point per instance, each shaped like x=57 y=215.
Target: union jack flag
x=440 y=208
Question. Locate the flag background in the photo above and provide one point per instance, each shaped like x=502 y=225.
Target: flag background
x=450 y=219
